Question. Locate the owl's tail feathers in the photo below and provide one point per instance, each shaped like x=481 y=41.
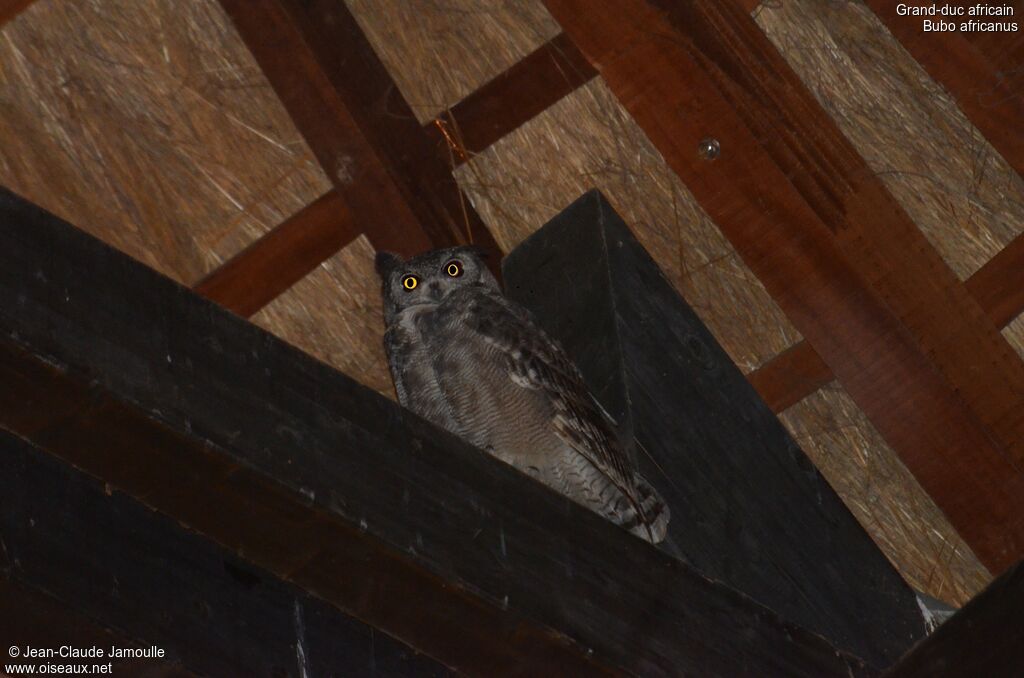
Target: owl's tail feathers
x=648 y=515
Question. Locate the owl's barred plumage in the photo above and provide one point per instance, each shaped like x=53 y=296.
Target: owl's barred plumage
x=465 y=357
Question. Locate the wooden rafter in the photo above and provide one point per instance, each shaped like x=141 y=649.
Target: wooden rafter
x=268 y=267
x=985 y=78
x=356 y=122
x=799 y=371
x=835 y=250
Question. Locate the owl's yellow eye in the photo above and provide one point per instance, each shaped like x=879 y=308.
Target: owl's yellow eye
x=410 y=282
x=453 y=268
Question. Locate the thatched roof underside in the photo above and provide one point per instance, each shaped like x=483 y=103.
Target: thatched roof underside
x=148 y=124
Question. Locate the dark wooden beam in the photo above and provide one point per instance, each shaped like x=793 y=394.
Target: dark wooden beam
x=29 y=617
x=985 y=638
x=748 y=508
x=986 y=86
x=799 y=371
x=12 y=8
x=105 y=556
x=355 y=120
x=322 y=482
x=833 y=248
x=284 y=255
x=513 y=98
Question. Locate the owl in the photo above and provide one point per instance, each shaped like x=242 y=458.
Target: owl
x=468 y=359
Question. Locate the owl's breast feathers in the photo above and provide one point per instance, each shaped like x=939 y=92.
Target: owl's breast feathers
x=510 y=389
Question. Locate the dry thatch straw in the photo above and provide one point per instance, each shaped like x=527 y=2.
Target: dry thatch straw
x=147 y=123
x=335 y=314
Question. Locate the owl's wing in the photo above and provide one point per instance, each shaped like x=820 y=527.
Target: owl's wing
x=532 y=360
x=397 y=348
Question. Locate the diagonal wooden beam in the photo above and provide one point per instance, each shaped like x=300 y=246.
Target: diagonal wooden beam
x=513 y=98
x=799 y=371
x=984 y=75
x=265 y=269
x=700 y=429
x=30 y=617
x=834 y=249
x=355 y=120
x=174 y=589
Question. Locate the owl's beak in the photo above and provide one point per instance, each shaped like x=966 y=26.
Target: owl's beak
x=435 y=291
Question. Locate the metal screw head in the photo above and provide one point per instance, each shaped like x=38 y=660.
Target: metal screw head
x=709 y=148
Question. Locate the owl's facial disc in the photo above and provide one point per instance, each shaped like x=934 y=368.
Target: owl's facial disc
x=428 y=279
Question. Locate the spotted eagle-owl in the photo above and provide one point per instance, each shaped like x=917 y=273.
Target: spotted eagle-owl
x=465 y=357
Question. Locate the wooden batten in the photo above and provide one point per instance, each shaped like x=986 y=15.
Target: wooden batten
x=265 y=269
x=511 y=99
x=999 y=285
